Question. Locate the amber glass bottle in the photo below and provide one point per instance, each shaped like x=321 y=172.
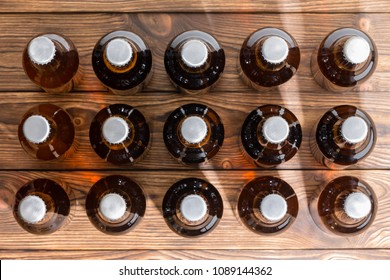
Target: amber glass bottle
x=42 y=206
x=270 y=135
x=123 y=62
x=194 y=61
x=193 y=134
x=51 y=61
x=115 y=204
x=192 y=207
x=346 y=58
x=120 y=134
x=267 y=205
x=46 y=132
x=345 y=206
x=344 y=136
x=269 y=57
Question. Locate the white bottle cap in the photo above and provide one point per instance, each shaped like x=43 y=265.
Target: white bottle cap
x=112 y=206
x=273 y=207
x=115 y=130
x=275 y=50
x=356 y=50
x=193 y=129
x=32 y=209
x=357 y=205
x=193 y=208
x=354 y=130
x=275 y=129
x=194 y=53
x=41 y=50
x=119 y=52
x=36 y=129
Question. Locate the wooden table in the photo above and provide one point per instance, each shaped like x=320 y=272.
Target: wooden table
x=157 y=22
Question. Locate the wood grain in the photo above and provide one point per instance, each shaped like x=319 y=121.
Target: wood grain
x=280 y=6
x=156 y=106
x=158 y=29
x=153 y=234
x=342 y=254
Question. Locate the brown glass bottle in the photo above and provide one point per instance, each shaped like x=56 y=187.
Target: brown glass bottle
x=194 y=61
x=46 y=132
x=346 y=58
x=115 y=204
x=122 y=61
x=267 y=205
x=342 y=137
x=42 y=206
x=345 y=206
x=193 y=134
x=192 y=207
x=120 y=134
x=270 y=135
x=51 y=61
x=269 y=57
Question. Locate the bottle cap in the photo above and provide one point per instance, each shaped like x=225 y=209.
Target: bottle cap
x=274 y=50
x=115 y=130
x=32 y=209
x=273 y=207
x=275 y=129
x=193 y=208
x=354 y=130
x=194 y=129
x=357 y=205
x=36 y=129
x=194 y=53
x=41 y=50
x=112 y=206
x=356 y=50
x=119 y=52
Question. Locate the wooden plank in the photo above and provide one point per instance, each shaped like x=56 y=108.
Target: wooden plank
x=156 y=106
x=344 y=254
x=153 y=234
x=159 y=28
x=281 y=6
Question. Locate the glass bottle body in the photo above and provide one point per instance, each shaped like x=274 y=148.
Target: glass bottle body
x=51 y=61
x=127 y=145
x=331 y=148
x=328 y=206
x=339 y=66
x=270 y=135
x=192 y=207
x=122 y=61
x=194 y=61
x=42 y=206
x=59 y=141
x=193 y=134
x=269 y=57
x=267 y=205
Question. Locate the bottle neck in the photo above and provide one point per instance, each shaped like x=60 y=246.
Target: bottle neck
x=119 y=55
x=351 y=53
x=272 y=53
x=352 y=132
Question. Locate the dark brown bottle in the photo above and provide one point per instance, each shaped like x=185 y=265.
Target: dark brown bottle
x=192 y=207
x=344 y=136
x=120 y=134
x=46 y=132
x=267 y=205
x=115 y=204
x=193 y=133
x=345 y=206
x=194 y=61
x=51 y=61
x=270 y=135
x=42 y=206
x=122 y=61
x=346 y=58
x=269 y=57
